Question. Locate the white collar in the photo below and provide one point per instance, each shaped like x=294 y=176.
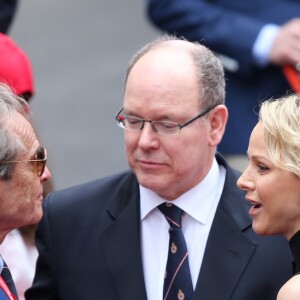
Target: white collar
x=1 y=264
x=196 y=202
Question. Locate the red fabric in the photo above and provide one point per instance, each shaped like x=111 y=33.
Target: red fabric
x=6 y=290
x=293 y=77
x=15 y=67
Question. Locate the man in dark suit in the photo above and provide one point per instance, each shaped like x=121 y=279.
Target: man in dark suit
x=108 y=240
x=22 y=174
x=254 y=40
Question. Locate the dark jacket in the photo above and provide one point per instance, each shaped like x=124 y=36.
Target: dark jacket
x=7 y=12
x=230 y=28
x=89 y=247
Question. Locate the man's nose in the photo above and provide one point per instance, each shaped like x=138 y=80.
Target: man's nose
x=46 y=175
x=148 y=137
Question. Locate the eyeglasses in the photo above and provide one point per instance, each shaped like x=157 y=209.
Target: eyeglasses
x=160 y=127
x=40 y=160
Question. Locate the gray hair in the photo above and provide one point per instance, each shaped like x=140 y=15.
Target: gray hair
x=10 y=143
x=208 y=67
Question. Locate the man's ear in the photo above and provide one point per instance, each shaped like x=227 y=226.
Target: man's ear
x=218 y=119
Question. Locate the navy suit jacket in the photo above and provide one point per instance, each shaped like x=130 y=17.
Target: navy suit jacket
x=7 y=12
x=89 y=247
x=230 y=28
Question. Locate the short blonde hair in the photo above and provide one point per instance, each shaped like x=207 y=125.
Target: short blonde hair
x=281 y=122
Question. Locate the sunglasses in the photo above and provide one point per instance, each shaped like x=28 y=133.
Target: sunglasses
x=39 y=161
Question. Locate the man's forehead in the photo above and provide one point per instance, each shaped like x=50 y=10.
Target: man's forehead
x=19 y=125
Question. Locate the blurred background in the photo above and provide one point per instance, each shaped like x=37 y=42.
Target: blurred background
x=79 y=52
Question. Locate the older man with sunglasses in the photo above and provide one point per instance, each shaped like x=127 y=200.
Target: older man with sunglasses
x=22 y=174
x=121 y=238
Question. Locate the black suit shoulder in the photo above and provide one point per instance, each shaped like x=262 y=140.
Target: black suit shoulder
x=98 y=192
x=90 y=203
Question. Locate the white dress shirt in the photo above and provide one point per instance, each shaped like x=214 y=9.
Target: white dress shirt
x=263 y=44
x=200 y=204
x=21 y=258
x=1 y=264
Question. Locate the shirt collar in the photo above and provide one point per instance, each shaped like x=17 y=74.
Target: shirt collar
x=196 y=202
x=1 y=264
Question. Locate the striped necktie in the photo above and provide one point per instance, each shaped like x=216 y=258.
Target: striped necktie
x=178 y=281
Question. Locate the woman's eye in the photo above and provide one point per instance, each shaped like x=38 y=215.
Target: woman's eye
x=262 y=168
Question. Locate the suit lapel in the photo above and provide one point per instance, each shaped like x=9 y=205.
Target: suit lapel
x=121 y=241
x=228 y=249
x=226 y=256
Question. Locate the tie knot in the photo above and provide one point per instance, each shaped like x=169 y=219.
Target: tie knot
x=172 y=213
x=5 y=274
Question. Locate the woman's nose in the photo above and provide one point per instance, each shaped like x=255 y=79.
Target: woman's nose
x=244 y=182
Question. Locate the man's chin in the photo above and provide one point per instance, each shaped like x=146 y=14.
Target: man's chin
x=38 y=214
x=151 y=182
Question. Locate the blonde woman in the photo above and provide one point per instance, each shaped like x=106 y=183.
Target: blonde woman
x=272 y=178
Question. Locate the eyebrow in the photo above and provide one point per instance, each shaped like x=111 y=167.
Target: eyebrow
x=259 y=157
x=169 y=117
